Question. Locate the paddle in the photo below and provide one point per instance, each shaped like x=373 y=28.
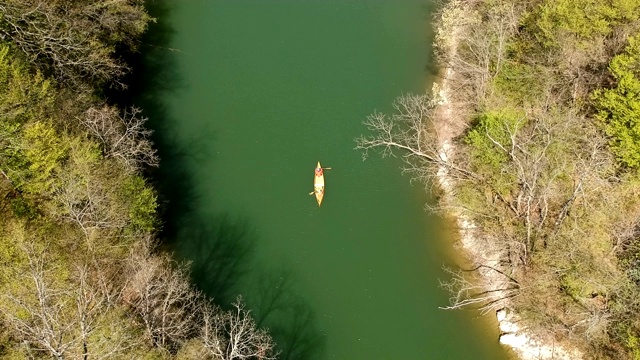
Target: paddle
x=327 y=168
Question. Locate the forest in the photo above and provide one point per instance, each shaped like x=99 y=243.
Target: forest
x=538 y=137
x=82 y=276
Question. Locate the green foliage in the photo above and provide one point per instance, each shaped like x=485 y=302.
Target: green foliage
x=22 y=208
x=556 y=202
x=142 y=203
x=10 y=256
x=575 y=285
x=73 y=222
x=584 y=19
x=23 y=95
x=44 y=152
x=633 y=344
x=11 y=350
x=490 y=143
x=490 y=137
x=30 y=150
x=619 y=107
x=519 y=82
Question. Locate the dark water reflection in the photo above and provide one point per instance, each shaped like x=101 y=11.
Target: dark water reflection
x=218 y=246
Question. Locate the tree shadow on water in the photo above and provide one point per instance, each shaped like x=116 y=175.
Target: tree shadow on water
x=220 y=255
x=220 y=248
x=154 y=70
x=223 y=267
x=154 y=76
x=290 y=320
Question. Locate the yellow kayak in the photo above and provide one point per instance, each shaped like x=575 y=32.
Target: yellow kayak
x=318 y=183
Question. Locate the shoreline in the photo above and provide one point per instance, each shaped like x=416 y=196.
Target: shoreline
x=448 y=125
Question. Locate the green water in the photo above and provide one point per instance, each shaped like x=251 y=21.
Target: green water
x=245 y=97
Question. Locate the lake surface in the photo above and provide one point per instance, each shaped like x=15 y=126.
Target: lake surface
x=245 y=97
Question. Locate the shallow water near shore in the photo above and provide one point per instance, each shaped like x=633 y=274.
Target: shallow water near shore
x=245 y=97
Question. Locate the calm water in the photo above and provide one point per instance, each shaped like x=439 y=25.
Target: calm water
x=246 y=96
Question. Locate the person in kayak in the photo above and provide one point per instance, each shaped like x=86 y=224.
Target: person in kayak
x=318 y=171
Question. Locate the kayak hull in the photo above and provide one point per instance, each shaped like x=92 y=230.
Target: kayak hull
x=318 y=184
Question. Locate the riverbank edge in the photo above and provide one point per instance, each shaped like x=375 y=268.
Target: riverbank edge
x=450 y=124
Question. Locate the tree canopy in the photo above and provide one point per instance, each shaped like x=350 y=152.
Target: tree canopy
x=619 y=106
x=81 y=275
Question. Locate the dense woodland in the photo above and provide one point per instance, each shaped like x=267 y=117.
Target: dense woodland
x=81 y=274
x=546 y=163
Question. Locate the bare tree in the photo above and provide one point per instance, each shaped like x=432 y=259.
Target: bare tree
x=233 y=335
x=163 y=299
x=48 y=326
x=88 y=304
x=410 y=130
x=100 y=336
x=172 y=311
x=123 y=137
x=472 y=46
x=69 y=318
x=245 y=341
x=84 y=205
x=468 y=291
x=77 y=39
x=242 y=339
x=87 y=203
x=212 y=331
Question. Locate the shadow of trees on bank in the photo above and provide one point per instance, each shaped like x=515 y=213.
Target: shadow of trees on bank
x=219 y=247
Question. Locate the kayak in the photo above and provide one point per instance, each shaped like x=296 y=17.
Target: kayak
x=318 y=183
